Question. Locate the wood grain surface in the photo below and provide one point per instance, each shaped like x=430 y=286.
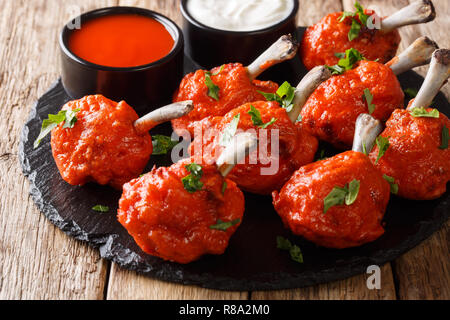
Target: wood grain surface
x=39 y=262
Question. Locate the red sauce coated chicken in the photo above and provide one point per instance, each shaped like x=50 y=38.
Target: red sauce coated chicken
x=322 y=40
x=296 y=147
x=269 y=167
x=363 y=30
x=227 y=87
x=418 y=155
x=331 y=111
x=338 y=202
x=103 y=145
x=187 y=210
x=420 y=168
x=235 y=90
x=169 y=222
x=300 y=203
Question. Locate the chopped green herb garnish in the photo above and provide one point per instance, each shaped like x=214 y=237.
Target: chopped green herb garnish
x=213 y=90
x=230 y=131
x=192 y=182
x=67 y=116
x=444 y=138
x=218 y=72
x=299 y=119
x=353 y=190
x=162 y=144
x=394 y=186
x=356 y=25
x=224 y=226
x=369 y=98
x=284 y=96
x=322 y=155
x=360 y=12
x=421 y=112
x=354 y=30
x=256 y=118
x=287 y=93
x=352 y=56
x=294 y=250
x=224 y=187
x=411 y=93
x=339 y=196
x=100 y=208
x=340 y=55
x=336 y=69
x=383 y=144
x=364 y=148
x=346 y=14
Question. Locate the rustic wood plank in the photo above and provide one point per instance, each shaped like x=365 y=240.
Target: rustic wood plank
x=169 y=8
x=424 y=272
x=127 y=285
x=312 y=12
x=354 y=288
x=38 y=260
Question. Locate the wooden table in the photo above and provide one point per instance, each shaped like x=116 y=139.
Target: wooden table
x=38 y=261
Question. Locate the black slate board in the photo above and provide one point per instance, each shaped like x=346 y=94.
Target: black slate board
x=252 y=261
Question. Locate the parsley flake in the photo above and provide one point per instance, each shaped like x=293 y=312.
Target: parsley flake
x=224 y=226
x=369 y=98
x=284 y=96
x=256 y=118
x=421 y=112
x=391 y=180
x=192 y=182
x=67 y=116
x=354 y=30
x=213 y=89
x=411 y=93
x=294 y=250
x=444 y=138
x=162 y=144
x=383 y=144
x=100 y=208
x=339 y=196
x=230 y=131
x=352 y=56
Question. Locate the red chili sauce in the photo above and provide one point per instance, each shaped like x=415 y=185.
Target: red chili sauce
x=123 y=40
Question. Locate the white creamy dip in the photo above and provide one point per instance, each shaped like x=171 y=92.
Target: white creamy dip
x=239 y=15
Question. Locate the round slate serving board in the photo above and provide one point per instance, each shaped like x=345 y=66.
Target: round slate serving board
x=252 y=260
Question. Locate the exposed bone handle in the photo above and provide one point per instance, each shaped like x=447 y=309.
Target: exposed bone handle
x=436 y=76
x=417 y=54
x=367 y=129
x=238 y=149
x=172 y=111
x=283 y=49
x=306 y=87
x=417 y=12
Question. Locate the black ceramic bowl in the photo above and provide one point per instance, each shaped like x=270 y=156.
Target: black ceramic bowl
x=211 y=47
x=144 y=87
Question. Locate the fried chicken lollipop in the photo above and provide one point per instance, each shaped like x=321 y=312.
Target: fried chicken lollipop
x=338 y=202
x=187 y=210
x=331 y=111
x=95 y=139
x=340 y=31
x=413 y=149
x=227 y=87
x=275 y=161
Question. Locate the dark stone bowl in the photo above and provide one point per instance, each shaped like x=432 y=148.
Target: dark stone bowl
x=144 y=87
